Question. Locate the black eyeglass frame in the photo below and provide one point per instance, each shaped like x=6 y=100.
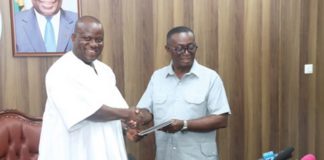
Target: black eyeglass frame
x=181 y=49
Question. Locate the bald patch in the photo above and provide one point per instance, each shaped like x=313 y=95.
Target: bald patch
x=86 y=20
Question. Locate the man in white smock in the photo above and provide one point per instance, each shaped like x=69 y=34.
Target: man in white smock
x=84 y=108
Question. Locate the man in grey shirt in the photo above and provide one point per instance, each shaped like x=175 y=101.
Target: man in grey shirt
x=190 y=94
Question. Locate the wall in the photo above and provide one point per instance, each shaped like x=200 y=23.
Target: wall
x=259 y=47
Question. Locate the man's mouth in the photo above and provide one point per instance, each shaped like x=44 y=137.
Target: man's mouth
x=92 y=52
x=47 y=5
x=185 y=59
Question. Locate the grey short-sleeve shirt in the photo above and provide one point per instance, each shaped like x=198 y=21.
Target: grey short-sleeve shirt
x=199 y=93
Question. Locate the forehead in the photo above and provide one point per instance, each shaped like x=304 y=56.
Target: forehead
x=88 y=28
x=51 y=1
x=182 y=38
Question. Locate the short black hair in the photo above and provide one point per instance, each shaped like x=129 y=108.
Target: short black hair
x=178 y=29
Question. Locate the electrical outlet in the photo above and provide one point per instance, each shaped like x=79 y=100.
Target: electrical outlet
x=308 y=68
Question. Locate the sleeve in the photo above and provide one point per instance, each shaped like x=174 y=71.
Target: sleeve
x=146 y=101
x=75 y=98
x=115 y=99
x=217 y=99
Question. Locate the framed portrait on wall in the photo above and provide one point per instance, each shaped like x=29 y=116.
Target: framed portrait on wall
x=0 y=24
x=43 y=27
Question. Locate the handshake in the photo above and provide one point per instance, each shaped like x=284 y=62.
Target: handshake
x=137 y=118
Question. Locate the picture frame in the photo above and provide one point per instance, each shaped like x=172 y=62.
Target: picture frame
x=0 y=23
x=33 y=35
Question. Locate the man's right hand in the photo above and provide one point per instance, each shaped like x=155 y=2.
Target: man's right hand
x=138 y=117
x=132 y=135
x=144 y=116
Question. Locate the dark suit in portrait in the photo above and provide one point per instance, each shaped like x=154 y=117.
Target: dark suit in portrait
x=29 y=37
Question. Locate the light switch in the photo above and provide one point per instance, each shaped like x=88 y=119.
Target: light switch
x=308 y=68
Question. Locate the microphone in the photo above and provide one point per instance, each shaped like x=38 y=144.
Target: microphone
x=268 y=156
x=282 y=155
x=308 y=157
x=285 y=154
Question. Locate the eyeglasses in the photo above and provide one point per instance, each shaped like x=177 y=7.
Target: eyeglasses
x=181 y=49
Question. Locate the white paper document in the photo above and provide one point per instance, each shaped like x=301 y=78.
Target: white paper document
x=154 y=128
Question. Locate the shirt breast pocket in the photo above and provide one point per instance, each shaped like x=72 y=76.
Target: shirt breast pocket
x=160 y=109
x=159 y=98
x=196 y=105
x=194 y=98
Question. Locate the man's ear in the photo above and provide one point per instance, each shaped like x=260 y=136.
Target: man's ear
x=167 y=48
x=73 y=36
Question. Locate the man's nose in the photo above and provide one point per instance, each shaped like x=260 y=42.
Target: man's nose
x=93 y=43
x=186 y=51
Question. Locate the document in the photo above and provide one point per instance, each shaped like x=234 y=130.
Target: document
x=154 y=128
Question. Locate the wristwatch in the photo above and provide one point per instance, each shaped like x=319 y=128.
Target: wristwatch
x=185 y=125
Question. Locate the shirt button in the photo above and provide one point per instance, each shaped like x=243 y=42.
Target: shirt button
x=174 y=148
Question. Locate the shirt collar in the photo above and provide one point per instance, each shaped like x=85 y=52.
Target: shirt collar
x=193 y=71
x=55 y=20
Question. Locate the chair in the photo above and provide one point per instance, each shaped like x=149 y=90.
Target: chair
x=19 y=136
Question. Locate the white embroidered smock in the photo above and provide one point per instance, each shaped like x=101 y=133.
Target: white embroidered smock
x=74 y=93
